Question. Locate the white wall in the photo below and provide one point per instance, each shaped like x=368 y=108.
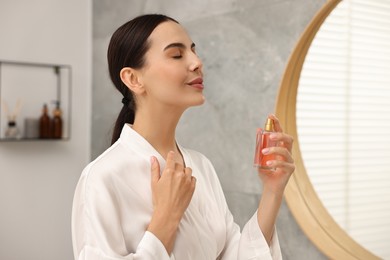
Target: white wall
x=37 y=179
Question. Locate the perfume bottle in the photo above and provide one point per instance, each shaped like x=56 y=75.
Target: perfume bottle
x=263 y=141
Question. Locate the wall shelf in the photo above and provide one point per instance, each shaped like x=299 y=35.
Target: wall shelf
x=24 y=88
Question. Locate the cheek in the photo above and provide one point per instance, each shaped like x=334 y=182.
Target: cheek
x=171 y=74
x=166 y=83
x=167 y=78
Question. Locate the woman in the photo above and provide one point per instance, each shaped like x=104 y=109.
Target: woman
x=147 y=197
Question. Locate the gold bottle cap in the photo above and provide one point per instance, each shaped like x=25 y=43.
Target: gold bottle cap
x=269 y=125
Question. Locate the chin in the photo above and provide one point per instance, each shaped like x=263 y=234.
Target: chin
x=200 y=101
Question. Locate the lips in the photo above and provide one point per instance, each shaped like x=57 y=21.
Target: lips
x=197 y=83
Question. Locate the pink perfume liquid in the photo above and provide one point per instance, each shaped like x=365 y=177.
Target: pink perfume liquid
x=263 y=141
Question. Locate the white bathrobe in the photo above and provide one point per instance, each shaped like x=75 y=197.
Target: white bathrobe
x=112 y=208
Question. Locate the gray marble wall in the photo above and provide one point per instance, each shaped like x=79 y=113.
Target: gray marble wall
x=244 y=46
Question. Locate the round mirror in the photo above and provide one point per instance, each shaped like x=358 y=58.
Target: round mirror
x=334 y=100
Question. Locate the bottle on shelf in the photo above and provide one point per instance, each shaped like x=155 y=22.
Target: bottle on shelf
x=56 y=123
x=44 y=124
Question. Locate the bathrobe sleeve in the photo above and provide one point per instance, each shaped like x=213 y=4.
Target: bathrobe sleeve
x=248 y=244
x=96 y=226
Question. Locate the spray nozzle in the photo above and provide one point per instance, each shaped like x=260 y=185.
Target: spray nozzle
x=269 y=125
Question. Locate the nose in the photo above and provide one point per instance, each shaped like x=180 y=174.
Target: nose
x=196 y=63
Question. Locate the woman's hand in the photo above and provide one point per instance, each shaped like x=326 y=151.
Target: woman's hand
x=274 y=180
x=172 y=193
x=283 y=166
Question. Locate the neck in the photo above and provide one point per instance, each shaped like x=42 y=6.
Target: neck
x=158 y=127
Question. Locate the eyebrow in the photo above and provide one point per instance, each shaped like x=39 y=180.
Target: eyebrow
x=178 y=45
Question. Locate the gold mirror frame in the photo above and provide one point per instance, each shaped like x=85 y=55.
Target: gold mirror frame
x=303 y=201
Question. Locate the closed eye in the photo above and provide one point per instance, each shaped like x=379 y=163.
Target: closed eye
x=177 y=54
x=179 y=48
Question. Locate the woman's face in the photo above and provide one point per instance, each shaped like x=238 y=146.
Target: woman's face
x=172 y=74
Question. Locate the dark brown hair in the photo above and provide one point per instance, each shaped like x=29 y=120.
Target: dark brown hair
x=127 y=48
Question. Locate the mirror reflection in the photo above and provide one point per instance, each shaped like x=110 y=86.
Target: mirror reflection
x=343 y=119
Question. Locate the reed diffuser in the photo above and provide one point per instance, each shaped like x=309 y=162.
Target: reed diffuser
x=12 y=130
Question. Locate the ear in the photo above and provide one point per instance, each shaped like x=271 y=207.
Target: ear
x=131 y=78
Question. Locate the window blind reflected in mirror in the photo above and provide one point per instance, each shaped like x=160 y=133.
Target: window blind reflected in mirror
x=343 y=119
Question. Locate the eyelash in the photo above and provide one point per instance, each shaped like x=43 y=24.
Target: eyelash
x=180 y=55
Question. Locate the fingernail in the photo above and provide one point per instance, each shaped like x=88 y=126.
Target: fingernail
x=273 y=136
x=269 y=163
x=265 y=150
x=152 y=159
